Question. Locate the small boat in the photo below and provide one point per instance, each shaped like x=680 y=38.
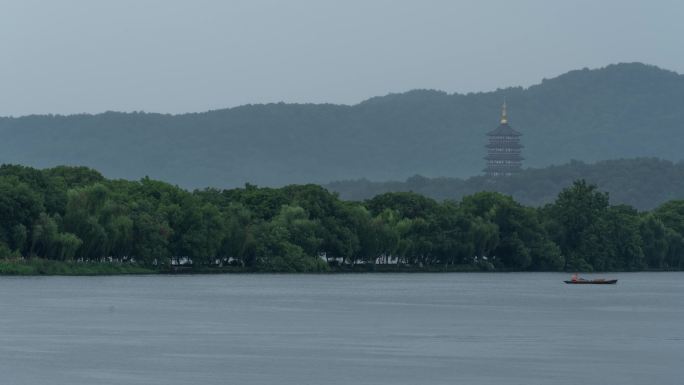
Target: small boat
x=599 y=281
x=575 y=280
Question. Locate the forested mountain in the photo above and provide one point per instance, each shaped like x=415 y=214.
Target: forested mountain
x=623 y=110
x=643 y=183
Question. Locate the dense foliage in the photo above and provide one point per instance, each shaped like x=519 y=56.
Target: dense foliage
x=74 y=215
x=643 y=183
x=625 y=110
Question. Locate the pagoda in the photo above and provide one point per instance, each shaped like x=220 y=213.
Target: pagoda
x=503 y=150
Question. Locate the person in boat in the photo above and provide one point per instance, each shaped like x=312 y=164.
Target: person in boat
x=575 y=278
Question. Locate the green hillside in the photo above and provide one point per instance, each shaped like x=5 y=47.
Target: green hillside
x=624 y=110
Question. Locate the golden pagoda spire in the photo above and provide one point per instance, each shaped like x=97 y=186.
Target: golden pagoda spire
x=504 y=116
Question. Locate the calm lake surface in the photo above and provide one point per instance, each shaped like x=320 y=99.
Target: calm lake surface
x=394 y=329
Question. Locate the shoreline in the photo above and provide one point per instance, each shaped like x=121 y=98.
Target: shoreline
x=38 y=267
x=42 y=267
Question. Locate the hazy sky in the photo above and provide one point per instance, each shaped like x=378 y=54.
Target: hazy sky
x=181 y=56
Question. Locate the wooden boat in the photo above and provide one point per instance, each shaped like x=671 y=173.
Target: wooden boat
x=599 y=281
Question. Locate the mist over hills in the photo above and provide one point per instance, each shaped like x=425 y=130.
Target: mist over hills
x=644 y=183
x=620 y=111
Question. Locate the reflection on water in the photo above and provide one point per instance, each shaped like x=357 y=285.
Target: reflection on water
x=341 y=329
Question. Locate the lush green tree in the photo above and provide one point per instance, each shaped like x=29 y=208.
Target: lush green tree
x=282 y=244
x=522 y=242
x=151 y=238
x=7 y=253
x=654 y=236
x=672 y=215
x=83 y=218
x=409 y=205
x=380 y=238
x=19 y=207
x=44 y=236
x=621 y=241
x=238 y=239
x=340 y=237
x=675 y=250
x=451 y=236
x=48 y=242
x=263 y=202
x=484 y=236
x=18 y=238
x=576 y=223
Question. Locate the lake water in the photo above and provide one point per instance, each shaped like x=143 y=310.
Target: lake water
x=415 y=329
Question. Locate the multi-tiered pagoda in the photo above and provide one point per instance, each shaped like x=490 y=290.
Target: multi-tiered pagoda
x=503 y=150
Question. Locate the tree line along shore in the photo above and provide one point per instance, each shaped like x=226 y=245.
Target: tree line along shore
x=72 y=220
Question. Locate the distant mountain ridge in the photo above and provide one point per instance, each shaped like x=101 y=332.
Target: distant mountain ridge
x=620 y=111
